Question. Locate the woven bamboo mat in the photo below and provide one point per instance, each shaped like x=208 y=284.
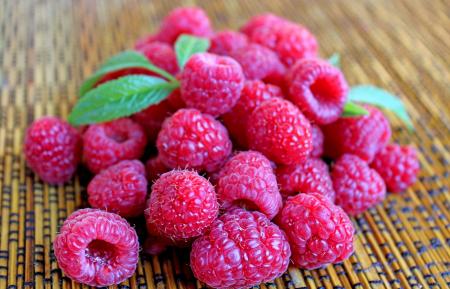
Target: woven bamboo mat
x=48 y=47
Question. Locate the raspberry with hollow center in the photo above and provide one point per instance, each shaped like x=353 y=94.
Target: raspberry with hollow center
x=226 y=42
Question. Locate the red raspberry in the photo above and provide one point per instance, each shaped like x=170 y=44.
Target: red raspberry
x=280 y=131
x=261 y=21
x=398 y=166
x=160 y=54
x=242 y=249
x=318 y=231
x=252 y=95
x=97 y=248
x=247 y=180
x=154 y=168
x=318 y=89
x=317 y=141
x=310 y=176
x=109 y=143
x=363 y=136
x=357 y=186
x=190 y=139
x=226 y=42
x=175 y=101
x=211 y=83
x=52 y=149
x=154 y=245
x=181 y=207
x=121 y=189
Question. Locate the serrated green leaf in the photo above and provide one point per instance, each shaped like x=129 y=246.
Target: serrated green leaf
x=187 y=45
x=119 y=98
x=352 y=109
x=379 y=97
x=335 y=60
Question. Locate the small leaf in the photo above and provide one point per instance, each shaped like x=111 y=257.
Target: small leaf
x=187 y=45
x=119 y=98
x=379 y=97
x=353 y=109
x=335 y=60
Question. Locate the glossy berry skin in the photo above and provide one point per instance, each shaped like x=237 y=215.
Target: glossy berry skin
x=318 y=88
x=96 y=248
x=279 y=130
x=308 y=177
x=190 y=139
x=317 y=140
x=108 y=143
x=247 y=179
x=357 y=186
x=319 y=232
x=227 y=42
x=155 y=168
x=398 y=166
x=181 y=207
x=160 y=54
x=242 y=249
x=52 y=149
x=211 y=83
x=120 y=189
x=363 y=136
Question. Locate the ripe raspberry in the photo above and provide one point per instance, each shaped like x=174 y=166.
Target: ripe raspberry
x=357 y=186
x=398 y=166
x=52 y=149
x=154 y=168
x=97 y=248
x=247 y=180
x=154 y=245
x=363 y=136
x=279 y=130
x=252 y=95
x=318 y=89
x=317 y=141
x=190 y=139
x=226 y=42
x=181 y=207
x=318 y=231
x=310 y=176
x=121 y=189
x=211 y=83
x=141 y=42
x=160 y=54
x=108 y=143
x=242 y=249
x=262 y=21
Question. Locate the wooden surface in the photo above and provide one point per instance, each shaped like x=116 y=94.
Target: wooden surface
x=48 y=47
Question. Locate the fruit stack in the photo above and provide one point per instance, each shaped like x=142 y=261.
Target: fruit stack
x=263 y=153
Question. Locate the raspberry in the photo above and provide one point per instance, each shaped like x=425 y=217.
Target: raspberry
x=279 y=130
x=109 y=143
x=160 y=54
x=318 y=89
x=318 y=231
x=247 y=179
x=242 y=249
x=310 y=176
x=357 y=186
x=398 y=166
x=317 y=141
x=261 y=21
x=154 y=168
x=363 y=136
x=141 y=42
x=211 y=83
x=226 y=42
x=97 y=248
x=121 y=189
x=181 y=207
x=154 y=245
x=52 y=149
x=190 y=139
x=252 y=95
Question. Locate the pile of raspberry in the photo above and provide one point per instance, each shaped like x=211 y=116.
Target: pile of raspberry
x=240 y=176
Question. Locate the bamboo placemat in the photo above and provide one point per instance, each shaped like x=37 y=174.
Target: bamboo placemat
x=48 y=47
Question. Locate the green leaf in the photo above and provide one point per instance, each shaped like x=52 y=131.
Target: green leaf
x=119 y=98
x=353 y=109
x=379 y=97
x=335 y=60
x=187 y=45
x=123 y=60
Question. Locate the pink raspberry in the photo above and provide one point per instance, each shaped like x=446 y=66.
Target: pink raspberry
x=357 y=186
x=279 y=130
x=317 y=141
x=241 y=250
x=152 y=118
x=190 y=139
x=108 y=143
x=318 y=89
x=97 y=248
x=310 y=176
x=181 y=207
x=227 y=42
x=363 y=136
x=398 y=166
x=318 y=231
x=160 y=54
x=121 y=189
x=211 y=83
x=52 y=149
x=252 y=95
x=247 y=180
x=155 y=168
x=262 y=21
